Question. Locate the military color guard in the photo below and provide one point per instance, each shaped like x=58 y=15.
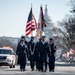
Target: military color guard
x=37 y=54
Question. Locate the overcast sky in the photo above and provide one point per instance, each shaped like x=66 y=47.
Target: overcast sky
x=14 y=14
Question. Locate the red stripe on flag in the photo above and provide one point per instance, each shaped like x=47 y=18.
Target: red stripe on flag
x=28 y=29
x=28 y=33
x=31 y=23
x=33 y=29
x=28 y=24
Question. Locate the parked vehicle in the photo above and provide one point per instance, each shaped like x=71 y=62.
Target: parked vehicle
x=7 y=57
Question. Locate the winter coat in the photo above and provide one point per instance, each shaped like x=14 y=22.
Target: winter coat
x=51 y=52
x=42 y=49
x=22 y=53
x=31 y=51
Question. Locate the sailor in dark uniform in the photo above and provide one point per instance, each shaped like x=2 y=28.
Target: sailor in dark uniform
x=31 y=53
x=51 y=54
x=23 y=37
x=42 y=48
x=37 y=56
x=26 y=43
x=22 y=54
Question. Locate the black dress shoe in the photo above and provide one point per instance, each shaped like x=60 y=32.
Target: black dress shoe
x=24 y=69
x=39 y=70
x=42 y=70
x=20 y=69
x=45 y=71
x=32 y=70
x=52 y=70
x=49 y=70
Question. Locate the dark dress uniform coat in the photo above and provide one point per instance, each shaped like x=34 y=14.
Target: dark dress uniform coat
x=43 y=51
x=51 y=52
x=37 y=56
x=22 y=53
x=31 y=51
x=51 y=55
x=42 y=48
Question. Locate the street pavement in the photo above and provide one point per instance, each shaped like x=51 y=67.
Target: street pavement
x=61 y=68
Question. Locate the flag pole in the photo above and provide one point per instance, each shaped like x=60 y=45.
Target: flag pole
x=31 y=24
x=41 y=30
x=43 y=24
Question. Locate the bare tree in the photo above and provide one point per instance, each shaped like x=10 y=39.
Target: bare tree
x=67 y=32
x=72 y=4
x=6 y=42
x=67 y=29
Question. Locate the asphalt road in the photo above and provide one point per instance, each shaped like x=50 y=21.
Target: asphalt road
x=60 y=69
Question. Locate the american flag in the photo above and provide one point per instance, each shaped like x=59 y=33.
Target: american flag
x=31 y=23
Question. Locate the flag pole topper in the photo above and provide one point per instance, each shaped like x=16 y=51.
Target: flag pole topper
x=31 y=5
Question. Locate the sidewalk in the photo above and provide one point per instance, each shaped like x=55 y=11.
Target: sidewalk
x=64 y=64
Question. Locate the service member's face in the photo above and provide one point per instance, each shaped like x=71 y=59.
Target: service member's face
x=22 y=42
x=50 y=40
x=32 y=39
x=43 y=39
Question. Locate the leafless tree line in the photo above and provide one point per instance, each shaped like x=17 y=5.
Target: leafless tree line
x=6 y=42
x=67 y=29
